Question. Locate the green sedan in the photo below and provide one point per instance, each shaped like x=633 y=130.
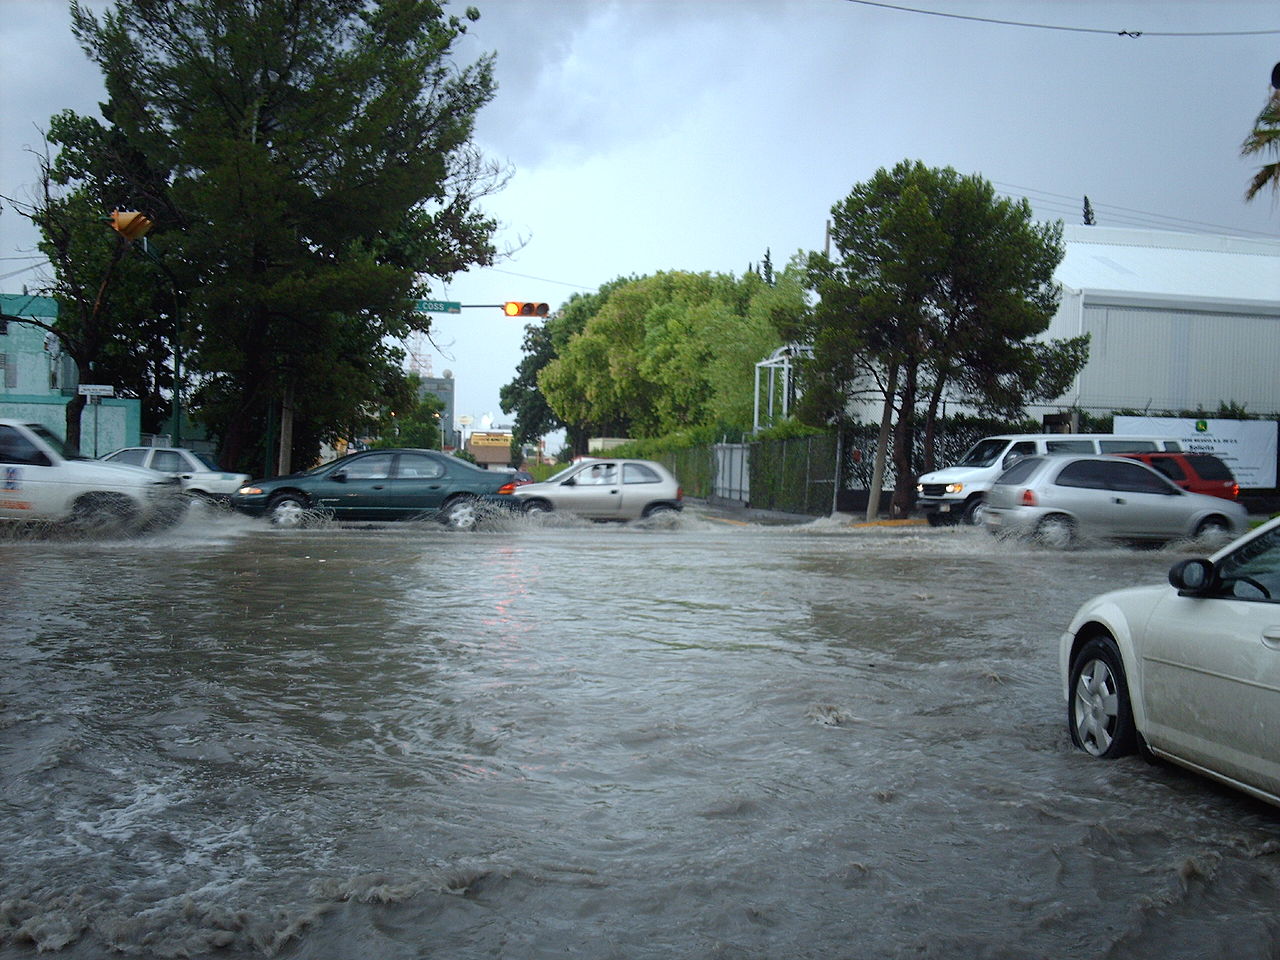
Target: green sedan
x=380 y=485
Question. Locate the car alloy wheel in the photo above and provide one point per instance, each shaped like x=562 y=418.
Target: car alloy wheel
x=1056 y=530
x=288 y=511
x=1100 y=713
x=461 y=514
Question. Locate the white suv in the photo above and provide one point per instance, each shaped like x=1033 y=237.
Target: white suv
x=41 y=480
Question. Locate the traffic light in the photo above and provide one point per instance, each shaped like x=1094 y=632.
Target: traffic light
x=130 y=224
x=521 y=308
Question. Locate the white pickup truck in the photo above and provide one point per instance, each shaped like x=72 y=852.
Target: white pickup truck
x=41 y=480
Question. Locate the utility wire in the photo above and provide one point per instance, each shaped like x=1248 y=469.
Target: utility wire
x=1130 y=215
x=1133 y=34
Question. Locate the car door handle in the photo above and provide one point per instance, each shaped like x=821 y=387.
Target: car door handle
x=1271 y=636
x=377 y=486
x=1117 y=499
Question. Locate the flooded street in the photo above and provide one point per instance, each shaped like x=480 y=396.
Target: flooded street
x=693 y=739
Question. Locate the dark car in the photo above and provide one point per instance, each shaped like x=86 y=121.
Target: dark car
x=379 y=485
x=1197 y=472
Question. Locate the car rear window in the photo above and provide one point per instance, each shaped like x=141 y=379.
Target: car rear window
x=1125 y=446
x=1130 y=477
x=1090 y=474
x=1020 y=471
x=1169 y=467
x=639 y=473
x=1069 y=446
x=1209 y=467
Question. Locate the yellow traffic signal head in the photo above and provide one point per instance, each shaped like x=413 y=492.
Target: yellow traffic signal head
x=130 y=224
x=522 y=308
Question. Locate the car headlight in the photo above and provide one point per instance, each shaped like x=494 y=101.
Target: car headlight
x=955 y=487
x=249 y=491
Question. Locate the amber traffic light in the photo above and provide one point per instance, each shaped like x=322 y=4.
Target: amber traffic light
x=130 y=224
x=521 y=308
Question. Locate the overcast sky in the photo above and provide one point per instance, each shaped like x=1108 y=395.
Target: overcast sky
x=651 y=135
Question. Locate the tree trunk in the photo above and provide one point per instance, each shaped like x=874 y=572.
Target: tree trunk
x=74 y=411
x=882 y=445
x=285 y=463
x=903 y=442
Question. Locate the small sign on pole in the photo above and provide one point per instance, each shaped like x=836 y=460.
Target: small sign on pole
x=97 y=390
x=437 y=306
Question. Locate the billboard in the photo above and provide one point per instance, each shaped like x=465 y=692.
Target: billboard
x=1248 y=447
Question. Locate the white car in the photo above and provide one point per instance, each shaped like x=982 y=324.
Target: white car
x=41 y=480
x=604 y=489
x=1189 y=671
x=200 y=476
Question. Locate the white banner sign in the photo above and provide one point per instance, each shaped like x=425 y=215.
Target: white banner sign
x=1248 y=447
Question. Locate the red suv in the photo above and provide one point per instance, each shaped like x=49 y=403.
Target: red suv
x=1196 y=472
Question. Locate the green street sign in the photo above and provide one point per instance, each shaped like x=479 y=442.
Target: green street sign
x=436 y=306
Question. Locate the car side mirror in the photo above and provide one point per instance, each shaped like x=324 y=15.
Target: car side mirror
x=571 y=482
x=339 y=477
x=1194 y=577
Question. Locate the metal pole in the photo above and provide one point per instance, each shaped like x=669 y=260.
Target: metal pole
x=835 y=484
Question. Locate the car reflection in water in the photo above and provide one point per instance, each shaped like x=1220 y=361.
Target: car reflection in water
x=380 y=485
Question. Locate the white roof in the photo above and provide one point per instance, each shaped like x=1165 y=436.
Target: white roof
x=1131 y=265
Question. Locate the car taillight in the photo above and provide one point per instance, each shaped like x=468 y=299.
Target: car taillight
x=1028 y=498
x=1235 y=490
x=679 y=493
x=507 y=488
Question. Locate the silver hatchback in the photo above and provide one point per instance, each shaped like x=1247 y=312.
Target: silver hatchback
x=1060 y=498
x=605 y=489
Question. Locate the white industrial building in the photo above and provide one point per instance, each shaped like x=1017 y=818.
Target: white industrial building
x=1176 y=321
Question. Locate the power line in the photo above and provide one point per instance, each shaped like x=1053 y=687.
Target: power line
x=1130 y=215
x=1133 y=34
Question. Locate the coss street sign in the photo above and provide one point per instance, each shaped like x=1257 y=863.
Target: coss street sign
x=437 y=306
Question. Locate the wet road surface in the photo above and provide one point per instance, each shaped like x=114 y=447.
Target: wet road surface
x=686 y=739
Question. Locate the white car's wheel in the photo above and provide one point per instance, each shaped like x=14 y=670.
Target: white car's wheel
x=974 y=510
x=537 y=507
x=98 y=510
x=1100 y=714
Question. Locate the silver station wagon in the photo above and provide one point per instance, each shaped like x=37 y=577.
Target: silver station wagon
x=1061 y=498
x=605 y=489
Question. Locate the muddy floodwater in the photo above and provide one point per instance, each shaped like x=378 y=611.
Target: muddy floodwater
x=692 y=739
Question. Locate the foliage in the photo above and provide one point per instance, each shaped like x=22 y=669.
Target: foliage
x=668 y=352
x=306 y=164
x=936 y=291
x=1264 y=139
x=414 y=421
x=534 y=417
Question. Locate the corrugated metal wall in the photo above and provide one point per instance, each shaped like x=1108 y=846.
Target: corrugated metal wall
x=1167 y=359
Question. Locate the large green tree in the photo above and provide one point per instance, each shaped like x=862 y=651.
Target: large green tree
x=668 y=352
x=938 y=289
x=534 y=416
x=310 y=168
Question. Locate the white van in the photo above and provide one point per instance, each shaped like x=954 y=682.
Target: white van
x=956 y=493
